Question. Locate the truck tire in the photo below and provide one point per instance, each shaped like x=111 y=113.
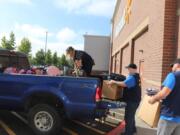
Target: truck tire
x=44 y=120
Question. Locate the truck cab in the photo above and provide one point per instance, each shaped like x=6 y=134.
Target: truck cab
x=11 y=58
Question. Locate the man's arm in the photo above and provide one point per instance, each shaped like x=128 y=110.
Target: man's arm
x=161 y=95
x=168 y=86
x=121 y=84
x=78 y=63
x=129 y=82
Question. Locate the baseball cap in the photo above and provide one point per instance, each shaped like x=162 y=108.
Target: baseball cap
x=133 y=66
x=177 y=61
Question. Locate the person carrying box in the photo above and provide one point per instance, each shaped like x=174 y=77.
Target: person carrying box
x=169 y=123
x=132 y=97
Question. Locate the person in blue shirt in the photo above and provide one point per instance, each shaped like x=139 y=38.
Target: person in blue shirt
x=132 y=97
x=169 y=123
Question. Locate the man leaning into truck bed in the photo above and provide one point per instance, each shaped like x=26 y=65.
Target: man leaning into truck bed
x=82 y=60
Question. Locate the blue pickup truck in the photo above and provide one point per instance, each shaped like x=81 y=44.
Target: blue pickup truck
x=47 y=100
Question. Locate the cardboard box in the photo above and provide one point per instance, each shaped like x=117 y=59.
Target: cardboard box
x=113 y=92
x=149 y=113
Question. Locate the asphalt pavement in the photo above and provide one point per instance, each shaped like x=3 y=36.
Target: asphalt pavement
x=12 y=123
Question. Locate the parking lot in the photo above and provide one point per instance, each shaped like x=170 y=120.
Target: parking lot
x=12 y=123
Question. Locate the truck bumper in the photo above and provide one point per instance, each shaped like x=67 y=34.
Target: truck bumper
x=103 y=107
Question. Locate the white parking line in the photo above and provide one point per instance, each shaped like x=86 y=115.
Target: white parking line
x=8 y=130
x=20 y=117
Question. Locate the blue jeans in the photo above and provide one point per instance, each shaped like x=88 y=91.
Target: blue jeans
x=130 y=113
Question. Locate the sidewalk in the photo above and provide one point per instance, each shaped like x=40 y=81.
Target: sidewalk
x=117 y=115
x=144 y=129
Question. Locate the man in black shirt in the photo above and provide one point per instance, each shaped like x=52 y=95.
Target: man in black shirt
x=82 y=60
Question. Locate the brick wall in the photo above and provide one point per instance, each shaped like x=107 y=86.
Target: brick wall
x=140 y=56
x=113 y=63
x=148 y=39
x=178 y=28
x=170 y=31
x=126 y=54
x=118 y=63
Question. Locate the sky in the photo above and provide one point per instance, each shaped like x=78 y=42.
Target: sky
x=66 y=21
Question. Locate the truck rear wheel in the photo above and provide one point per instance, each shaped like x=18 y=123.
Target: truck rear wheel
x=45 y=120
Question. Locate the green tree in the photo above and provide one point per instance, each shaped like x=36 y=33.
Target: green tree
x=55 y=59
x=32 y=60
x=48 y=59
x=40 y=57
x=63 y=61
x=11 y=41
x=25 y=46
x=8 y=44
x=3 y=42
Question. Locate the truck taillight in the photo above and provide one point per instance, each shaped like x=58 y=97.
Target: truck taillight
x=98 y=94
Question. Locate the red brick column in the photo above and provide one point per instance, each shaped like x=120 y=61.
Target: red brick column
x=170 y=33
x=178 y=27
